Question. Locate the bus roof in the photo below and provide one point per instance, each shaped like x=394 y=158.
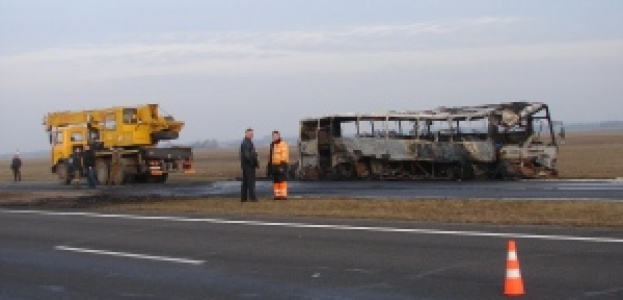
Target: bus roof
x=458 y=113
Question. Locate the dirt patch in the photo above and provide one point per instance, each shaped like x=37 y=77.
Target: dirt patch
x=77 y=199
x=42 y=198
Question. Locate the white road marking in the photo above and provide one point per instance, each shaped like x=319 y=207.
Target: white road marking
x=446 y=268
x=131 y=255
x=603 y=293
x=327 y=226
x=590 y=188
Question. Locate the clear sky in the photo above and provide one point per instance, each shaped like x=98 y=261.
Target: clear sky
x=225 y=65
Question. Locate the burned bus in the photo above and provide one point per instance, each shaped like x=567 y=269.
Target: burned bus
x=507 y=140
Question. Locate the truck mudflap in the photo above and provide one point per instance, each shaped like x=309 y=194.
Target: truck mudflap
x=187 y=167
x=161 y=161
x=172 y=153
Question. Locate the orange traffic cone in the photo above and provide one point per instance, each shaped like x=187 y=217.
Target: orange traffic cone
x=513 y=285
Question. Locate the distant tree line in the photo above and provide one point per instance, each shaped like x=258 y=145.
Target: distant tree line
x=605 y=125
x=205 y=144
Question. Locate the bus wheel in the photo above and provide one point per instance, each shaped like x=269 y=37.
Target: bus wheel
x=345 y=171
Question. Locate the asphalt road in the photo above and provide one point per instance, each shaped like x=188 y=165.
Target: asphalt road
x=555 y=189
x=529 y=189
x=57 y=255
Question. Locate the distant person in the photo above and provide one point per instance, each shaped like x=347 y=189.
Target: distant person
x=89 y=166
x=248 y=162
x=16 y=167
x=76 y=164
x=279 y=159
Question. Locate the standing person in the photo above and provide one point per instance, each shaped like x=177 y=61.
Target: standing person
x=76 y=163
x=16 y=166
x=249 y=162
x=89 y=166
x=279 y=159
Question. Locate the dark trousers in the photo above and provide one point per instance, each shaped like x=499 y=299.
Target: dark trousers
x=248 y=184
x=91 y=179
x=17 y=174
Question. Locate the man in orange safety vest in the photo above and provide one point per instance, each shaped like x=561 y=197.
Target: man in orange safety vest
x=278 y=160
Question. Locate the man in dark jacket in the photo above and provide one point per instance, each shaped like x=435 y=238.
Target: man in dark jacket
x=76 y=164
x=16 y=166
x=248 y=162
x=89 y=166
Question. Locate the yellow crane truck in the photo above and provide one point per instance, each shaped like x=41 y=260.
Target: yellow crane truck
x=125 y=142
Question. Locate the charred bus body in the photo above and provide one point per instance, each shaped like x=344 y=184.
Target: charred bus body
x=507 y=140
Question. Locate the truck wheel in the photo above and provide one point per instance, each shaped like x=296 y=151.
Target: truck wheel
x=102 y=172
x=62 y=172
x=117 y=176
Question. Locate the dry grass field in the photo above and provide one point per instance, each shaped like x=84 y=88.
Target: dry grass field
x=592 y=155
x=223 y=164
x=34 y=169
x=567 y=213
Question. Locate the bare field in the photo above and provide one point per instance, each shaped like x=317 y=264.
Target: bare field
x=591 y=155
x=34 y=169
x=224 y=164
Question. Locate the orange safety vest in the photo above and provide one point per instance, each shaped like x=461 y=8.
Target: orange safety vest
x=281 y=153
